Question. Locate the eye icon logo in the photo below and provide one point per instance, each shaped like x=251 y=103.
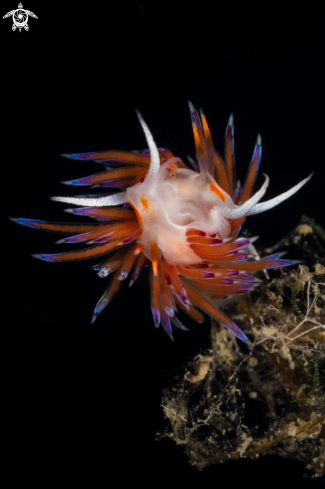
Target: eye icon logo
x=20 y=18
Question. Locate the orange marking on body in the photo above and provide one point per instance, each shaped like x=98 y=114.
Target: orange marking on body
x=197 y=141
x=216 y=191
x=139 y=247
x=137 y=213
x=172 y=169
x=146 y=206
x=206 y=128
x=139 y=217
x=144 y=203
x=154 y=257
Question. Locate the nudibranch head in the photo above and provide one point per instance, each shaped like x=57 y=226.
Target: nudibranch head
x=184 y=223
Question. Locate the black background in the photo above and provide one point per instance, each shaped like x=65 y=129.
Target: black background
x=81 y=403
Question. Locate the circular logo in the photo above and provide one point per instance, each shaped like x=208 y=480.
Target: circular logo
x=20 y=18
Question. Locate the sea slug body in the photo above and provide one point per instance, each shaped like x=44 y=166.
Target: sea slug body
x=182 y=222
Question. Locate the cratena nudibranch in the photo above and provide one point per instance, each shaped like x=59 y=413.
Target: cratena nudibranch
x=183 y=223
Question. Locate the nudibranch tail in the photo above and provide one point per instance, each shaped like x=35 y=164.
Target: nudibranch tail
x=180 y=222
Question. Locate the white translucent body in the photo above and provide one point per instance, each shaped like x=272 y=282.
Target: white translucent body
x=175 y=204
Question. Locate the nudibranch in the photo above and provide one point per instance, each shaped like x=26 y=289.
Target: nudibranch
x=183 y=223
